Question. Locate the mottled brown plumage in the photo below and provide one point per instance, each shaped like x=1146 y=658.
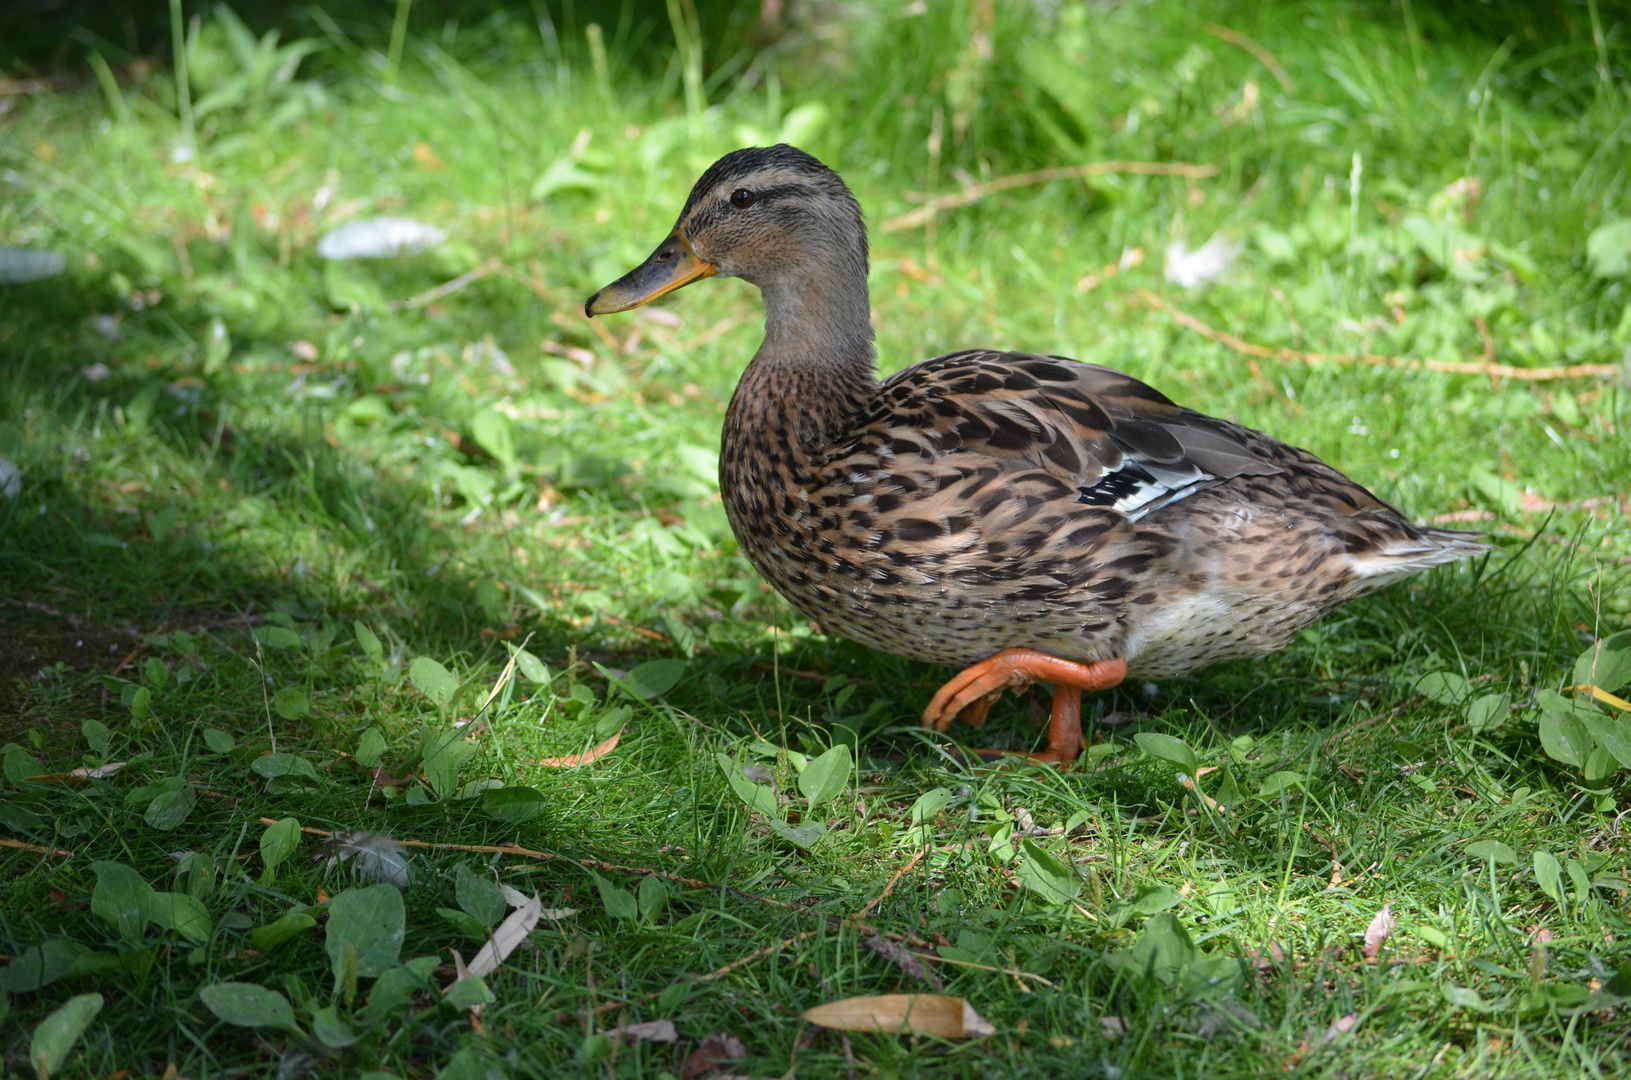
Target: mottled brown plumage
x=986 y=501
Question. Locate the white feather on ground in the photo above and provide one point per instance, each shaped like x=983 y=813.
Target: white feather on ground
x=373 y=856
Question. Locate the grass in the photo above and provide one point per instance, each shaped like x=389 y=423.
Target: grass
x=267 y=499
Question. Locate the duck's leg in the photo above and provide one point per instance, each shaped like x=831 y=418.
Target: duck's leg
x=1021 y=667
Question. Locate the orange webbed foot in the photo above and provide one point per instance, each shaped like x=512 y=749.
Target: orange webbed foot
x=981 y=684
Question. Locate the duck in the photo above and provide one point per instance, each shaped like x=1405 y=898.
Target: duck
x=1025 y=518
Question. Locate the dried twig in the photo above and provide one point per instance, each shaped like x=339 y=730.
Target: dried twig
x=887 y=889
x=1236 y=38
x=1540 y=374
x=6 y=841
x=913 y=218
x=447 y=288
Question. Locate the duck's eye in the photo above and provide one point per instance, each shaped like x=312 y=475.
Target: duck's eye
x=741 y=198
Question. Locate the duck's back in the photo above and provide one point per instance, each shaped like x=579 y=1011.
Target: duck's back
x=985 y=500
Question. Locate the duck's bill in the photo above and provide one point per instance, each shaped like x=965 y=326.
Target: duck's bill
x=671 y=266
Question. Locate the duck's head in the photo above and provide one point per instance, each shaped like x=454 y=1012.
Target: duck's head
x=774 y=216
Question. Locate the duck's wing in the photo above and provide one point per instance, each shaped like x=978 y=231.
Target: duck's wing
x=1109 y=439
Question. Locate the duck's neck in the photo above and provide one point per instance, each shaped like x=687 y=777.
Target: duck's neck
x=817 y=353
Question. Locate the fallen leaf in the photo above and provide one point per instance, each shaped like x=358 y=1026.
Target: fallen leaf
x=510 y=933
x=1381 y=928
x=660 y=1031
x=1341 y=1026
x=512 y=896
x=75 y=776
x=914 y=1014
x=426 y=158
x=572 y=761
x=903 y=958
x=1112 y=1028
x=383 y=778
x=711 y=1051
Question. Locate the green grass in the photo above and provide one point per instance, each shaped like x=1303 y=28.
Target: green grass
x=234 y=455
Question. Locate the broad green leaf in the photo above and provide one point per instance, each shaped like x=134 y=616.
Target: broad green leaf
x=1599 y=765
x=1163 y=950
x=468 y=992
x=929 y=804
x=1579 y=879
x=800 y=836
x=368 y=641
x=495 y=434
x=141 y=703
x=653 y=897
x=122 y=898
x=531 y=667
x=1492 y=850
x=1497 y=491
x=171 y=808
x=331 y=1031
x=279 y=842
x=1488 y=712
x=1608 y=249
x=156 y=673
x=372 y=921
x=40 y=965
x=396 y=987
x=219 y=741
x=183 y=914
x=370 y=748
x=54 y=1039
x=620 y=903
x=654 y=678
x=277 y=637
x=1563 y=733
x=1154 y=898
x=1043 y=874
x=1612 y=733
x=442 y=755
x=1169 y=749
x=272 y=766
x=290 y=703
x=20 y=765
x=248 y=1005
x=433 y=680
x=824 y=778
x=1548 y=874
x=1464 y=997
x=757 y=796
x=1444 y=687
x=478 y=894
x=273 y=934
x=512 y=805
x=1607 y=664
x=1277 y=783
x=464 y=923
x=99 y=736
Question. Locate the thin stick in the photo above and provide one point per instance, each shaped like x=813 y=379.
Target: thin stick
x=6 y=841
x=1506 y=371
x=447 y=288
x=887 y=889
x=757 y=954
x=1236 y=38
x=913 y=218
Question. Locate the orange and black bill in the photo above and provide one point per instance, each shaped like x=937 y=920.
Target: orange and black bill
x=671 y=266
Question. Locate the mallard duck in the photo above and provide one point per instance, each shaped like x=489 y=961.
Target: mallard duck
x=1029 y=518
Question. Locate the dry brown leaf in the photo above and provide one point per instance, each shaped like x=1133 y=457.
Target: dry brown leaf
x=903 y=958
x=572 y=761
x=711 y=1051
x=78 y=776
x=427 y=159
x=510 y=933
x=659 y=1031
x=1381 y=928
x=1341 y=1026
x=914 y=1014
